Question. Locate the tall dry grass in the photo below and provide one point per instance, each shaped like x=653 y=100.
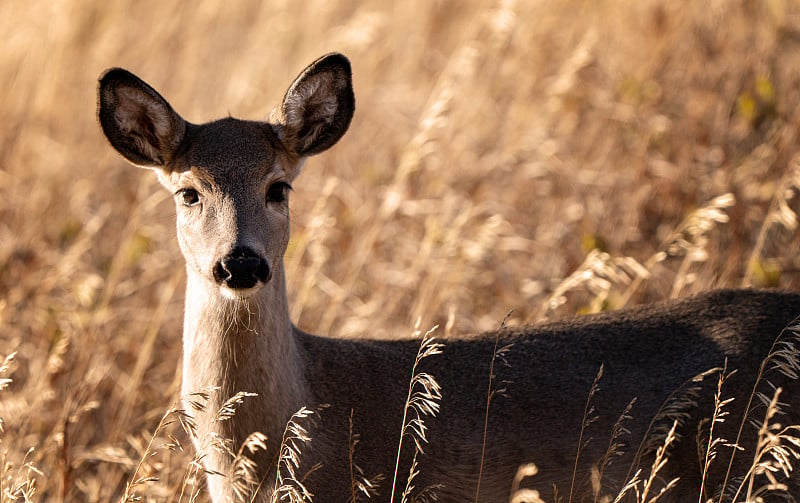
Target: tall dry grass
x=494 y=146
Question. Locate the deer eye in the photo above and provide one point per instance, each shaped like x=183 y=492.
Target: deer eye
x=189 y=197
x=278 y=192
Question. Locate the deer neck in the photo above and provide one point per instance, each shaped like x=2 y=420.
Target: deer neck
x=245 y=345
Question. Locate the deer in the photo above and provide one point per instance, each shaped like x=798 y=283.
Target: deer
x=231 y=180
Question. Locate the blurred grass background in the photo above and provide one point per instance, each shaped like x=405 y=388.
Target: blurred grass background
x=495 y=145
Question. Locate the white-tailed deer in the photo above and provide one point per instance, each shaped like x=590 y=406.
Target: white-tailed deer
x=231 y=181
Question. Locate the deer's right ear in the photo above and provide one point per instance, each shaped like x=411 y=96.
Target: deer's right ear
x=137 y=121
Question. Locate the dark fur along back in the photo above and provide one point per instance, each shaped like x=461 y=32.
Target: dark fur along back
x=649 y=353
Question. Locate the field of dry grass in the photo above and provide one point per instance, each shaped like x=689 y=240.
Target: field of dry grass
x=495 y=146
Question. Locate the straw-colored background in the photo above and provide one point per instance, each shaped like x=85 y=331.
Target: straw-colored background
x=495 y=144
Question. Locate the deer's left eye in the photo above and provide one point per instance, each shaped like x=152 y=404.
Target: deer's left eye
x=189 y=197
x=278 y=192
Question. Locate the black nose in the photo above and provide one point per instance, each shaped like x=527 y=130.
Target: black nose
x=242 y=269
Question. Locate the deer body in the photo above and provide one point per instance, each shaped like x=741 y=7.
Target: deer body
x=231 y=180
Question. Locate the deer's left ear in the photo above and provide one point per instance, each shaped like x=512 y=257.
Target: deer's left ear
x=318 y=106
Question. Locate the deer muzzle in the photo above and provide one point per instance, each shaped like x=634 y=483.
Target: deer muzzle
x=242 y=269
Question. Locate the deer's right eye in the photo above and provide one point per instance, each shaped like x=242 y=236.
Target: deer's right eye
x=189 y=197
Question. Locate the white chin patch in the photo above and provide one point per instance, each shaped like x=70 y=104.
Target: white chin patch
x=239 y=293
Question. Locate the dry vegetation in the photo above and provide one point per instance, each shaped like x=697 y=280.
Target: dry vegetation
x=495 y=145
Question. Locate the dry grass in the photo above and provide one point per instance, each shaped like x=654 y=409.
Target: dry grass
x=494 y=146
